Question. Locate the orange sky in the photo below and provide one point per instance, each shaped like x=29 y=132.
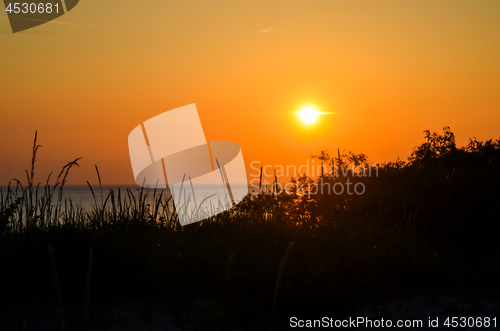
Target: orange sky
x=388 y=69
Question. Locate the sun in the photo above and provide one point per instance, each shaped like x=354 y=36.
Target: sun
x=308 y=115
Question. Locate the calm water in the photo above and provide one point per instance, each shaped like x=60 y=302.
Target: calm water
x=81 y=195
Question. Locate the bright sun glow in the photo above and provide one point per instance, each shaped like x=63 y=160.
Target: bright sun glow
x=308 y=115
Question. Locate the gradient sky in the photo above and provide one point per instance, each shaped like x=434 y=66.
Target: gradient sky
x=388 y=69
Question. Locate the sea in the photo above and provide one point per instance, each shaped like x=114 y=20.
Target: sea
x=87 y=198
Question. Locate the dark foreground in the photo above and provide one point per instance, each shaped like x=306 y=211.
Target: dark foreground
x=422 y=242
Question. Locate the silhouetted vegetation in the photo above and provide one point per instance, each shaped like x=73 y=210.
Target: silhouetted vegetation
x=426 y=225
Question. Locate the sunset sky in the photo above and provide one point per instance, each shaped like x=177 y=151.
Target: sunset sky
x=387 y=70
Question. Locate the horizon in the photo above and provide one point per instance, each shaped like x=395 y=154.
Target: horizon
x=312 y=165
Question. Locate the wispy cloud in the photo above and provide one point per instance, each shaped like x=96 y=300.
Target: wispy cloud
x=266 y=30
